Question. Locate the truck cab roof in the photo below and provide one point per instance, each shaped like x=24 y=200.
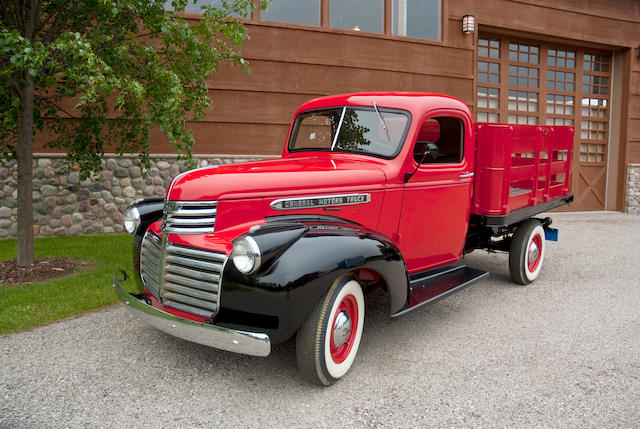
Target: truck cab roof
x=417 y=103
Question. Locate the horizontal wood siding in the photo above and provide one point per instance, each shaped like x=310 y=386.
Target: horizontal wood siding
x=355 y=50
x=314 y=80
x=223 y=138
x=633 y=152
x=568 y=19
x=633 y=128
x=290 y=65
x=617 y=9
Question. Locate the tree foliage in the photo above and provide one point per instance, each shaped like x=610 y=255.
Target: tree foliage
x=100 y=74
x=105 y=72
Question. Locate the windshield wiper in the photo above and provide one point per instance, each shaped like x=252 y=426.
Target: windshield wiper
x=335 y=138
x=384 y=124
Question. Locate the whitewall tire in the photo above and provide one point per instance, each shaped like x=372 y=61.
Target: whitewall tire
x=328 y=340
x=527 y=252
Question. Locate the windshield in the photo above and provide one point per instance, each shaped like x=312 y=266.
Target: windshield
x=347 y=129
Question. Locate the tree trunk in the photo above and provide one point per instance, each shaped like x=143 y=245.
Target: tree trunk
x=26 y=255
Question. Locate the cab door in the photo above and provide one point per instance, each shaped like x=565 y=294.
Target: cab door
x=437 y=197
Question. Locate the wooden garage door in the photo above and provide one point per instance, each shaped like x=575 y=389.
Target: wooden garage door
x=530 y=82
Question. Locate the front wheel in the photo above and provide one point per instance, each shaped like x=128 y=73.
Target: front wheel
x=527 y=252
x=328 y=340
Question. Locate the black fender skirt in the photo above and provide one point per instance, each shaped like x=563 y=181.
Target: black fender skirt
x=300 y=262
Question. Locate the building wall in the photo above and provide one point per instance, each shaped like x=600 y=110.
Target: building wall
x=613 y=25
x=633 y=112
x=293 y=63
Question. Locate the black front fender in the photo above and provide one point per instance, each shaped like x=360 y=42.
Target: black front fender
x=295 y=275
x=150 y=210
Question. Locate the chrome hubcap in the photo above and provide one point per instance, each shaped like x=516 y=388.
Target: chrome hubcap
x=341 y=329
x=533 y=252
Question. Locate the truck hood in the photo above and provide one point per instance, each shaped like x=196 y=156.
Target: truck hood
x=278 y=177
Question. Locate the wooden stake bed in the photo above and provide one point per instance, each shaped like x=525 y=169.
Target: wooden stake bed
x=520 y=166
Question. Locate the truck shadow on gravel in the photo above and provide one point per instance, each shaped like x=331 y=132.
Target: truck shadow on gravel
x=383 y=338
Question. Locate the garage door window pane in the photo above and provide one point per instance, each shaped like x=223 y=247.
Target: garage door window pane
x=561 y=58
x=305 y=12
x=523 y=53
x=417 y=18
x=599 y=63
x=523 y=76
x=488 y=97
x=363 y=15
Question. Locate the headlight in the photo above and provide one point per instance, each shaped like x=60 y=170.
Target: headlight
x=131 y=219
x=246 y=255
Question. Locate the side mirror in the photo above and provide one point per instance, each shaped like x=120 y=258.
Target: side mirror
x=432 y=151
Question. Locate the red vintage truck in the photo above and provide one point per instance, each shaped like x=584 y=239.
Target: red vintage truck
x=384 y=190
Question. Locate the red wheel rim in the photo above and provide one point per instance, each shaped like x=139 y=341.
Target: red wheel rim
x=533 y=263
x=349 y=305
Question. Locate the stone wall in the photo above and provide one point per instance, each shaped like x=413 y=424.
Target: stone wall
x=64 y=204
x=633 y=188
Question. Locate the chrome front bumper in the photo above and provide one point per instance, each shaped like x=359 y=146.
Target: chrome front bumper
x=248 y=343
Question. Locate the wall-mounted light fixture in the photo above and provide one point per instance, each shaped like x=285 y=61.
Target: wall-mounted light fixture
x=468 y=24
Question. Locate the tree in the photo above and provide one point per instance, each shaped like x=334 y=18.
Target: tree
x=126 y=65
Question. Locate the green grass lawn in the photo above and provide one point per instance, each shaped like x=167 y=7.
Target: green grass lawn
x=30 y=305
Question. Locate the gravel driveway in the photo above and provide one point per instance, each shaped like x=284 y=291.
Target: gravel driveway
x=562 y=352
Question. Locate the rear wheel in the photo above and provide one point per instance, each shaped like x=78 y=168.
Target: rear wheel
x=527 y=252
x=328 y=340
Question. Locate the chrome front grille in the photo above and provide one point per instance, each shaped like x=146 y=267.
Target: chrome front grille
x=151 y=263
x=182 y=277
x=189 y=217
x=191 y=280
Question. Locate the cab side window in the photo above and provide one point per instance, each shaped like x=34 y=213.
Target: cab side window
x=440 y=140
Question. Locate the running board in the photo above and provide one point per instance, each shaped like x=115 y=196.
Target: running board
x=439 y=283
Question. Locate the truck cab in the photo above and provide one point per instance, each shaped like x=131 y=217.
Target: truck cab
x=427 y=192
x=373 y=190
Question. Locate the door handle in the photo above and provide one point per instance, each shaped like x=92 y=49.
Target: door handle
x=464 y=175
